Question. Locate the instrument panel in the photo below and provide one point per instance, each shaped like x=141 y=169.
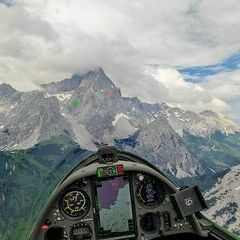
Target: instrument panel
x=133 y=205
x=148 y=194
x=74 y=204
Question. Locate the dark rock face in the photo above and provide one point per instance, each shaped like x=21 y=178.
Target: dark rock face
x=158 y=143
x=6 y=90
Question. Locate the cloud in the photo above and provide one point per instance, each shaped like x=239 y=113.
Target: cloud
x=187 y=95
x=43 y=41
x=219 y=92
x=224 y=85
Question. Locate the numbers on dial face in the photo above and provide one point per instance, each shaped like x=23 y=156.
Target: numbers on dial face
x=75 y=203
x=149 y=193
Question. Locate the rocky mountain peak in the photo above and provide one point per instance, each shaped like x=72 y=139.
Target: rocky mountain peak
x=94 y=80
x=97 y=79
x=6 y=90
x=65 y=85
x=97 y=71
x=198 y=124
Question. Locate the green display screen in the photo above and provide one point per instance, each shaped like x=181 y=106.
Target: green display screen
x=110 y=171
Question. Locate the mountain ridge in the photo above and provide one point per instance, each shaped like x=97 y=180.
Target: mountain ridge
x=87 y=111
x=91 y=109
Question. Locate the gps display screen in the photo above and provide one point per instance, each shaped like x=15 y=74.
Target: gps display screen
x=114 y=208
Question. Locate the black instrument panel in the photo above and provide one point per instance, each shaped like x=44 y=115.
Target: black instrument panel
x=132 y=206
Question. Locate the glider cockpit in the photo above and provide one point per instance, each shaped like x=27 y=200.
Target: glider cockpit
x=117 y=195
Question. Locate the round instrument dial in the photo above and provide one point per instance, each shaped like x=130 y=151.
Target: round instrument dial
x=149 y=194
x=75 y=204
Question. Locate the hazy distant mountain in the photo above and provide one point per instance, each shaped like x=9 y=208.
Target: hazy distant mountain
x=90 y=109
x=217 y=151
x=198 y=124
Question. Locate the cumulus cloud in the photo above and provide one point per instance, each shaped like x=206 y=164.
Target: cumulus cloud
x=187 y=95
x=43 y=41
x=224 y=85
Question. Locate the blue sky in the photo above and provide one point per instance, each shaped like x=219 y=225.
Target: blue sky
x=199 y=73
x=225 y=75
x=6 y=2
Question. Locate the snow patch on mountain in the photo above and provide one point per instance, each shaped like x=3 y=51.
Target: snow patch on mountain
x=61 y=96
x=122 y=126
x=118 y=116
x=224 y=200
